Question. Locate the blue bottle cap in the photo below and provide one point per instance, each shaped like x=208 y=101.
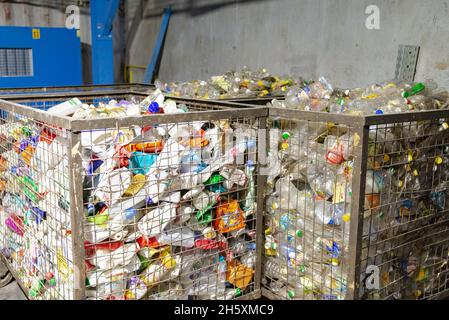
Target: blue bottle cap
x=130 y=213
x=379 y=112
x=221 y=259
x=90 y=209
x=200 y=167
x=251 y=143
x=149 y=201
x=154 y=107
x=251 y=246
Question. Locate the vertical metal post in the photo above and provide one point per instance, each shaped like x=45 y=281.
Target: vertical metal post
x=261 y=186
x=102 y=13
x=357 y=210
x=156 y=56
x=77 y=213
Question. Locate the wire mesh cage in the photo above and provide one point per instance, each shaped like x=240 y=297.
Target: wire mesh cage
x=356 y=206
x=162 y=206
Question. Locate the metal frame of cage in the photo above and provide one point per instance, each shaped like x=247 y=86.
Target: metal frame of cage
x=141 y=87
x=72 y=128
x=357 y=124
x=358 y=256
x=258 y=101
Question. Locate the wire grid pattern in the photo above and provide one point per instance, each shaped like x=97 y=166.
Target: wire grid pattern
x=407 y=223
x=35 y=234
x=307 y=211
x=400 y=250
x=169 y=209
x=16 y=62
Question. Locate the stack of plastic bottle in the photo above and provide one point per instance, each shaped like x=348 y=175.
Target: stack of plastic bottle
x=310 y=189
x=169 y=212
x=384 y=98
x=233 y=84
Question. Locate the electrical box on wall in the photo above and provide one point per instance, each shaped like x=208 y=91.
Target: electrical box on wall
x=39 y=57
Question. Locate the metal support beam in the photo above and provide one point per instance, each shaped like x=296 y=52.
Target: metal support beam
x=156 y=56
x=110 y=14
x=102 y=14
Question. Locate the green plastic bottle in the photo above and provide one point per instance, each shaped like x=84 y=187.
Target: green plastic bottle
x=417 y=88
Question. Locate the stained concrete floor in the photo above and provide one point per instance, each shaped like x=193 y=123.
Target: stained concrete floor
x=12 y=292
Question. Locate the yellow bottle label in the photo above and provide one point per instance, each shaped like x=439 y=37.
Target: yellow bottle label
x=137 y=183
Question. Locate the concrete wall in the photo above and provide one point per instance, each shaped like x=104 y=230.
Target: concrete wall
x=304 y=37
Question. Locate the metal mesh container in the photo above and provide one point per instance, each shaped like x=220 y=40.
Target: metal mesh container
x=356 y=207
x=161 y=206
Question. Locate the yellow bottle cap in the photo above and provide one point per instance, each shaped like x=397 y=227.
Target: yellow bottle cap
x=386 y=158
x=274 y=206
x=400 y=183
x=445 y=126
x=438 y=160
x=284 y=146
x=415 y=173
x=346 y=217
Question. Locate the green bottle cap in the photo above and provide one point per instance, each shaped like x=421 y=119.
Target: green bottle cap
x=26 y=131
x=52 y=282
x=238 y=292
x=285 y=135
x=302 y=268
x=40 y=285
x=33 y=293
x=291 y=294
x=299 y=233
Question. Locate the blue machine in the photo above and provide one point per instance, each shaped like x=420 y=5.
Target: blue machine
x=39 y=57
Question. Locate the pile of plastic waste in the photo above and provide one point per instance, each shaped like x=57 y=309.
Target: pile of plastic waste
x=310 y=190
x=377 y=99
x=169 y=211
x=233 y=84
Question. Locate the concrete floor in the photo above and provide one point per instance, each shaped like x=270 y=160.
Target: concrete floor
x=12 y=292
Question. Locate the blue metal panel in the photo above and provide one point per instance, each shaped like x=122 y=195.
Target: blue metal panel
x=56 y=56
x=102 y=13
x=149 y=74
